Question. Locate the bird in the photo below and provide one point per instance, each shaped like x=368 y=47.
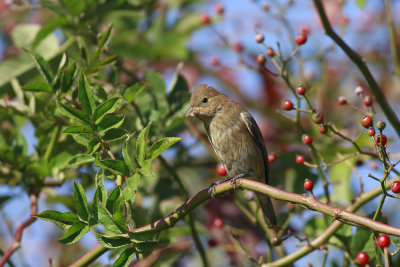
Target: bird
x=236 y=140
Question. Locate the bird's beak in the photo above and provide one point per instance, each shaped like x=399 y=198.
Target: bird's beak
x=192 y=112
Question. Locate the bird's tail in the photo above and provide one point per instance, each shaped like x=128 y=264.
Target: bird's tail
x=267 y=208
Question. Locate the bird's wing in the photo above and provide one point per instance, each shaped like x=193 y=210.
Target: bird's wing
x=255 y=132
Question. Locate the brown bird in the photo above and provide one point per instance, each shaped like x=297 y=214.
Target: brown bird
x=236 y=139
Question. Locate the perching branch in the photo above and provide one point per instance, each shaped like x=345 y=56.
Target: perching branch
x=309 y=201
x=362 y=66
x=19 y=231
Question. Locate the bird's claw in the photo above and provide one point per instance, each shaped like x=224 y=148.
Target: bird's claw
x=233 y=182
x=211 y=189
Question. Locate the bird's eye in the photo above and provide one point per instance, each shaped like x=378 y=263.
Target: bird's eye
x=204 y=100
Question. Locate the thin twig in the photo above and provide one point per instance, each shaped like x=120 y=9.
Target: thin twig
x=360 y=63
x=20 y=229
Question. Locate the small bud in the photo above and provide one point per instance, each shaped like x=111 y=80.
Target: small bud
x=381 y=125
x=259 y=37
x=359 y=90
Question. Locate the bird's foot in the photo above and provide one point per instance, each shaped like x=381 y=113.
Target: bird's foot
x=213 y=185
x=242 y=175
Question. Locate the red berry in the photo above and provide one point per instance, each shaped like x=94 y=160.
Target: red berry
x=344 y=20
x=301 y=38
x=323 y=129
x=205 y=19
x=270 y=52
x=362 y=258
x=378 y=140
x=271 y=158
x=259 y=37
x=261 y=59
x=219 y=8
x=301 y=90
x=238 y=47
x=366 y=121
x=371 y=131
x=342 y=100
x=359 y=90
x=308 y=185
x=221 y=170
x=318 y=117
x=367 y=101
x=299 y=159
x=212 y=242
x=214 y=61
x=287 y=105
x=383 y=241
x=395 y=187
x=218 y=223
x=307 y=139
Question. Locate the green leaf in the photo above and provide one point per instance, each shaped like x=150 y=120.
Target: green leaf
x=105 y=108
x=108 y=122
x=114 y=134
x=93 y=145
x=106 y=218
x=125 y=258
x=340 y=175
x=146 y=246
x=145 y=170
x=362 y=240
x=118 y=206
x=141 y=144
x=74 y=233
x=38 y=87
x=131 y=92
x=85 y=95
x=80 y=160
x=42 y=66
x=75 y=7
x=315 y=226
x=361 y=3
x=112 y=198
x=66 y=218
x=157 y=87
x=73 y=113
x=129 y=191
x=116 y=166
x=80 y=202
x=67 y=79
x=62 y=66
x=127 y=153
x=99 y=195
x=85 y=129
x=113 y=241
x=49 y=28
x=102 y=41
x=160 y=146
x=178 y=94
x=82 y=139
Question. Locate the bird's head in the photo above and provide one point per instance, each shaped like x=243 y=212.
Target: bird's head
x=204 y=102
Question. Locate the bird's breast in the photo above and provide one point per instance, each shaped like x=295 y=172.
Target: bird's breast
x=235 y=147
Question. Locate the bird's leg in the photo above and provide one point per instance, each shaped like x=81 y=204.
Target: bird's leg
x=233 y=181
